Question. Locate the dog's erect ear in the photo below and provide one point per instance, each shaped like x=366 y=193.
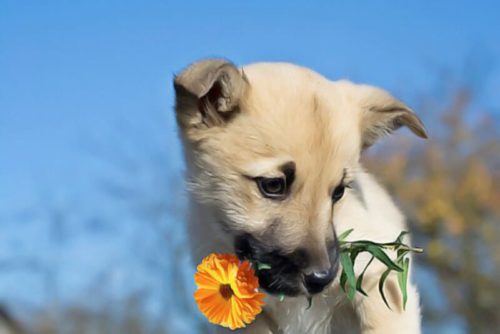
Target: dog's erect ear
x=381 y=114
x=208 y=93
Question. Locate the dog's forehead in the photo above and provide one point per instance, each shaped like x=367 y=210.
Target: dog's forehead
x=290 y=113
x=283 y=85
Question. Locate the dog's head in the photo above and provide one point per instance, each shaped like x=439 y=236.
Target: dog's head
x=272 y=146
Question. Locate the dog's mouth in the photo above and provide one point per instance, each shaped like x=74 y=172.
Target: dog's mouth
x=279 y=274
x=280 y=282
x=276 y=273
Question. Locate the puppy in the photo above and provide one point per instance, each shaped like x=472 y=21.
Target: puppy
x=273 y=164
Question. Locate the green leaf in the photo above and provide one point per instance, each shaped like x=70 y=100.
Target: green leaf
x=263 y=266
x=401 y=254
x=354 y=254
x=349 y=251
x=381 y=286
x=344 y=234
x=382 y=257
x=348 y=268
x=362 y=244
x=403 y=281
x=343 y=280
x=359 y=282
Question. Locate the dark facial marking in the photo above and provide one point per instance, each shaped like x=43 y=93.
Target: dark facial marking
x=288 y=170
x=283 y=276
x=286 y=273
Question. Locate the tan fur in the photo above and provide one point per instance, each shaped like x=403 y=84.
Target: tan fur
x=282 y=112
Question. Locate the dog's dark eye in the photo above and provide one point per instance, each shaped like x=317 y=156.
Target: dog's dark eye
x=338 y=193
x=274 y=187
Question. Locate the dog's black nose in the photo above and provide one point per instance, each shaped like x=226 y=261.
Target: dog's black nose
x=317 y=280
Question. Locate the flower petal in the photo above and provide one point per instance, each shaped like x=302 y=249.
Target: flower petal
x=232 y=308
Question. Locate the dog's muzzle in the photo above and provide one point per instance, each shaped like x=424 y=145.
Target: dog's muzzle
x=289 y=273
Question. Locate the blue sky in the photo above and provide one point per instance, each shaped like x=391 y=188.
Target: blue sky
x=74 y=69
x=73 y=73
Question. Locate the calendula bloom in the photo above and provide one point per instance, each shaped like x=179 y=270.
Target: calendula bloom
x=227 y=291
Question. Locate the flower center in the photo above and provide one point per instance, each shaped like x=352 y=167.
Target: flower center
x=226 y=291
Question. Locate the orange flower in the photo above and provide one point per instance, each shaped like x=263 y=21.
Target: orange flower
x=227 y=291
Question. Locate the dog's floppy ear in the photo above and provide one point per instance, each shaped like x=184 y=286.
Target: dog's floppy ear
x=381 y=114
x=208 y=93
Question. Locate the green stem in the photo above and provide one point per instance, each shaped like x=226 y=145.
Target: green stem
x=347 y=245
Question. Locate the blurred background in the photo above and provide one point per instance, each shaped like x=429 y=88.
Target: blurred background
x=92 y=205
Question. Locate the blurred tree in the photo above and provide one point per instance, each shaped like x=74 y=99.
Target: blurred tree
x=151 y=190
x=129 y=318
x=8 y=325
x=450 y=186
